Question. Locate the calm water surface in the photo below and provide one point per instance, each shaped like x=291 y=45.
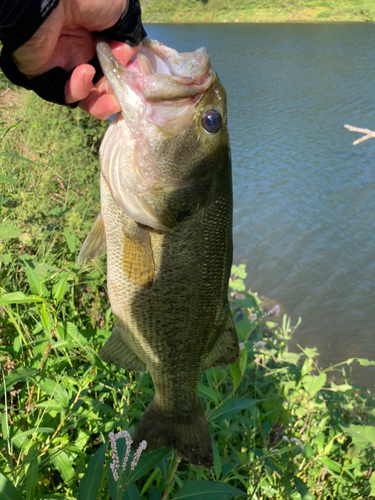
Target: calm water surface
x=304 y=213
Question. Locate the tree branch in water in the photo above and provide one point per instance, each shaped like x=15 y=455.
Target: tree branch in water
x=368 y=133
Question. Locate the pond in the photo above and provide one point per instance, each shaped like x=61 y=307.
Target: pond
x=304 y=196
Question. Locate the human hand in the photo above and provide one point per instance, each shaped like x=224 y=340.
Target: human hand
x=66 y=40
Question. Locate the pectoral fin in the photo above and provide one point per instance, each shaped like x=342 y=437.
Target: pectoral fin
x=226 y=349
x=94 y=243
x=138 y=257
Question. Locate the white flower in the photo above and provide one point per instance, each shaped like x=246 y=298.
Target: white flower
x=275 y=309
x=259 y=345
x=241 y=346
x=253 y=318
x=298 y=442
x=137 y=454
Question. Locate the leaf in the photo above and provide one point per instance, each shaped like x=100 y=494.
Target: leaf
x=63 y=464
x=341 y=388
x=7 y=490
x=230 y=408
x=32 y=472
x=238 y=285
x=372 y=483
x=20 y=374
x=19 y=438
x=16 y=157
x=131 y=493
x=33 y=280
x=60 y=287
x=301 y=488
x=18 y=298
x=54 y=389
x=330 y=464
x=362 y=436
x=148 y=461
x=90 y=483
x=235 y=373
x=208 y=393
x=243 y=361
x=208 y=490
x=361 y=361
x=71 y=240
x=218 y=464
x=6 y=178
x=313 y=384
x=9 y=231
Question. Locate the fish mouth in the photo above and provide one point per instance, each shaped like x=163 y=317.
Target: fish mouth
x=158 y=73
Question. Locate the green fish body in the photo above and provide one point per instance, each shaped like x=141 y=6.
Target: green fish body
x=166 y=220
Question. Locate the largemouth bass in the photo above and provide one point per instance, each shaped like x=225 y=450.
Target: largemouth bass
x=166 y=220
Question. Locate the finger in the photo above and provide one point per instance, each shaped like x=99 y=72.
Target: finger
x=99 y=105
x=123 y=52
x=79 y=84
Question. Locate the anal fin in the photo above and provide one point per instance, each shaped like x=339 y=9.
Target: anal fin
x=226 y=348
x=95 y=242
x=116 y=351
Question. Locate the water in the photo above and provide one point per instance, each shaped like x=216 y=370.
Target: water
x=304 y=213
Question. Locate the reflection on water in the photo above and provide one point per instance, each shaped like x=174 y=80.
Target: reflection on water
x=304 y=216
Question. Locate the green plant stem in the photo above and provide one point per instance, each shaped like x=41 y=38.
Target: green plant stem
x=166 y=492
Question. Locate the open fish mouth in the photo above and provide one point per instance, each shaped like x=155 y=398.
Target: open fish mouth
x=158 y=73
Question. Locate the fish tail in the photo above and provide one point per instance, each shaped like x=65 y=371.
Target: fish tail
x=187 y=434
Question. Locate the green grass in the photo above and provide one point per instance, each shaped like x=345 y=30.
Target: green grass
x=282 y=428
x=206 y=11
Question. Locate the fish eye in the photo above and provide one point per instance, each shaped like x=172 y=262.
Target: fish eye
x=211 y=121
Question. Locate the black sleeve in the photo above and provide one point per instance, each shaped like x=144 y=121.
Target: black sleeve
x=20 y=19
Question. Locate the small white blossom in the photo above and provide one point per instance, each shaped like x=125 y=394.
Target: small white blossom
x=115 y=460
x=298 y=442
x=129 y=442
x=275 y=309
x=253 y=318
x=259 y=345
x=241 y=346
x=285 y=438
x=114 y=472
x=137 y=454
x=275 y=450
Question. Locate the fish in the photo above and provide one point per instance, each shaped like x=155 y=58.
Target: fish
x=166 y=221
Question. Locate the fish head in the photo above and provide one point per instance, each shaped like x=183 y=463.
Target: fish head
x=171 y=136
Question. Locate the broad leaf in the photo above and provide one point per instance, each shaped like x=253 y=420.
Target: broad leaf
x=9 y=231
x=231 y=407
x=208 y=490
x=54 y=389
x=362 y=436
x=6 y=178
x=148 y=461
x=32 y=472
x=20 y=374
x=19 y=438
x=208 y=393
x=90 y=483
x=63 y=464
x=18 y=298
x=7 y=490
x=313 y=384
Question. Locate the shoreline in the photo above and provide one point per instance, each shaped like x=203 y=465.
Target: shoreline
x=205 y=12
